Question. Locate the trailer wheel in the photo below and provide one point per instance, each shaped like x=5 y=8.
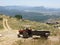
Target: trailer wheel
x=25 y=35
x=18 y=35
x=44 y=37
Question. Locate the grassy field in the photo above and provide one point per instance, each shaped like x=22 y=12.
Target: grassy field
x=1 y=24
x=37 y=42
x=20 y=24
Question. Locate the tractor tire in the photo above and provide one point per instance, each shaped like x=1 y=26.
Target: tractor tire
x=25 y=35
x=44 y=37
x=18 y=35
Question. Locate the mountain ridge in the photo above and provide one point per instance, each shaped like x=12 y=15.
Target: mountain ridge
x=32 y=13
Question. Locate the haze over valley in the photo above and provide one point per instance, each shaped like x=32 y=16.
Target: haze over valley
x=40 y=13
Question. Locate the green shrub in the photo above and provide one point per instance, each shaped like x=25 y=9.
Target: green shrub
x=18 y=16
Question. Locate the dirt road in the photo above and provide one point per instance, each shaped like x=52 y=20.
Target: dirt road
x=5 y=24
x=8 y=35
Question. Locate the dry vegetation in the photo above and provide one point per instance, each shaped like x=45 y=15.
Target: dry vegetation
x=37 y=42
x=54 y=38
x=18 y=24
x=1 y=24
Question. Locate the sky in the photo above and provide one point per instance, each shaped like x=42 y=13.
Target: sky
x=46 y=3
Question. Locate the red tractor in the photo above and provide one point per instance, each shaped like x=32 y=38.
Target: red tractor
x=29 y=33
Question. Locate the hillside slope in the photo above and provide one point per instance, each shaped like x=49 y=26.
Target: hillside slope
x=14 y=24
x=9 y=36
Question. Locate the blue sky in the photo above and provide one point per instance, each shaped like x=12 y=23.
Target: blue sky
x=46 y=3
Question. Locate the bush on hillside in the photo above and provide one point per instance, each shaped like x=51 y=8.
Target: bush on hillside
x=18 y=16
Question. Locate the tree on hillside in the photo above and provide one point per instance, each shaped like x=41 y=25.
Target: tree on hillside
x=18 y=16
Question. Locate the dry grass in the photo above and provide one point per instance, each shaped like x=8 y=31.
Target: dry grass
x=18 y=24
x=37 y=42
x=1 y=24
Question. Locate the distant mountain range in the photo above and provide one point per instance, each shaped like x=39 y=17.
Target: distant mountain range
x=32 y=13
